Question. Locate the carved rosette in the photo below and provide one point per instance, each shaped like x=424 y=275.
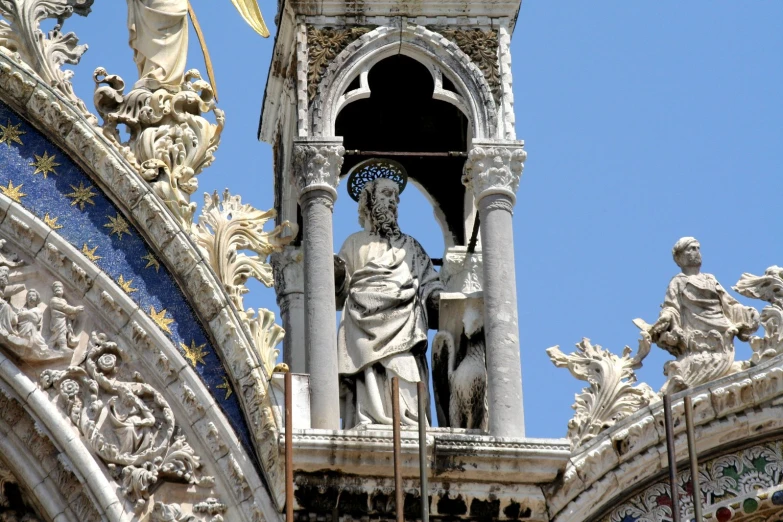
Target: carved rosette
x=323 y=46
x=482 y=48
x=317 y=164
x=494 y=168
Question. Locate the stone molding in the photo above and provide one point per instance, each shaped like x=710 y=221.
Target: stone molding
x=317 y=164
x=428 y=47
x=728 y=413
x=46 y=109
x=466 y=468
x=37 y=443
x=494 y=167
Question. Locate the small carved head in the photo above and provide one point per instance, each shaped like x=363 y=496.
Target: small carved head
x=33 y=298
x=687 y=253
x=57 y=289
x=378 y=207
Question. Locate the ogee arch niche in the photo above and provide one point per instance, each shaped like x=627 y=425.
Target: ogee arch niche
x=401 y=115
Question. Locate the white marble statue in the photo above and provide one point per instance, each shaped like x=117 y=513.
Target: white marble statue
x=158 y=35
x=389 y=290
x=698 y=323
x=61 y=323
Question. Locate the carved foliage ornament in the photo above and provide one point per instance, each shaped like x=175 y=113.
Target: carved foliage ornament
x=128 y=424
x=494 y=170
x=22 y=39
x=323 y=46
x=225 y=228
x=482 y=48
x=170 y=140
x=318 y=167
x=769 y=288
x=612 y=394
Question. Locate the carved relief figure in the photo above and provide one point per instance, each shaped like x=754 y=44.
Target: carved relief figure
x=61 y=323
x=389 y=291
x=698 y=323
x=460 y=373
x=30 y=324
x=132 y=421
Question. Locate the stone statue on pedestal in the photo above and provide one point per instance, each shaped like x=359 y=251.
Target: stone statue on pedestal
x=698 y=323
x=389 y=292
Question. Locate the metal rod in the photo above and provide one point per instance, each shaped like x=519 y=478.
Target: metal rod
x=399 y=503
x=474 y=234
x=667 y=417
x=425 y=487
x=449 y=154
x=289 y=451
x=694 y=459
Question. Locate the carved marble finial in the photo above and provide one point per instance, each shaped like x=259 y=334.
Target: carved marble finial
x=612 y=394
x=698 y=323
x=769 y=288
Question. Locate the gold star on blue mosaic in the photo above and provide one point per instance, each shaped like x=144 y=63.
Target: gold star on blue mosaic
x=12 y=192
x=151 y=262
x=91 y=255
x=126 y=285
x=51 y=222
x=82 y=195
x=44 y=164
x=225 y=386
x=118 y=226
x=194 y=354
x=161 y=320
x=10 y=134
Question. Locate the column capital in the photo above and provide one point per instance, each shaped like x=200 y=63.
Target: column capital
x=317 y=164
x=494 y=167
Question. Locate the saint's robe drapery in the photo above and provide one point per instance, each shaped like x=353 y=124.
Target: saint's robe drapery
x=384 y=318
x=158 y=35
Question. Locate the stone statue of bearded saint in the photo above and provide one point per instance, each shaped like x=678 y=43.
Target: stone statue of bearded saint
x=698 y=323
x=389 y=290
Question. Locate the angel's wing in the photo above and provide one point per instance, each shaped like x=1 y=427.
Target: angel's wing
x=252 y=14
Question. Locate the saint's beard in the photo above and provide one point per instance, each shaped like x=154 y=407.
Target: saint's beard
x=384 y=221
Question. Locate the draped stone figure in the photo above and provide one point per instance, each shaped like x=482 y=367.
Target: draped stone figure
x=158 y=35
x=61 y=323
x=698 y=323
x=389 y=290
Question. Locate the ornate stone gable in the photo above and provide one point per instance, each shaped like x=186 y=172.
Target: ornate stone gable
x=323 y=46
x=482 y=48
x=66 y=200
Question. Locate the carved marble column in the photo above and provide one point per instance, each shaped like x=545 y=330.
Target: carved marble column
x=492 y=171
x=289 y=287
x=317 y=163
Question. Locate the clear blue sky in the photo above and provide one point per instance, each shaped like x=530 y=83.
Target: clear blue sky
x=643 y=121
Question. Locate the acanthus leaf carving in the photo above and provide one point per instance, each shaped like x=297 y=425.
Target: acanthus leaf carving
x=494 y=169
x=769 y=288
x=22 y=39
x=317 y=166
x=612 y=394
x=482 y=48
x=129 y=425
x=323 y=46
x=225 y=228
x=170 y=140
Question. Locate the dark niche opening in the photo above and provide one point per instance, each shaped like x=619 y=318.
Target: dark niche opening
x=401 y=116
